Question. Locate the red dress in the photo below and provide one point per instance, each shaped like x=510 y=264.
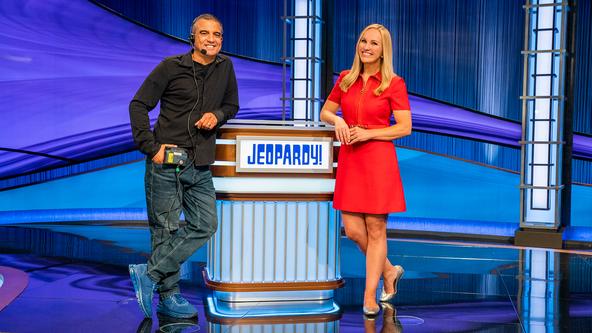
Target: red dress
x=368 y=179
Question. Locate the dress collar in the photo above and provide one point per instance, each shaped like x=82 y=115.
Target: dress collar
x=376 y=75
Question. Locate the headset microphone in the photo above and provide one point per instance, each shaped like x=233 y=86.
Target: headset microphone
x=192 y=40
x=203 y=51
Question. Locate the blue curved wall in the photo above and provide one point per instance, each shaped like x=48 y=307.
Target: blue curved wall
x=465 y=52
x=68 y=92
x=583 y=76
x=251 y=28
x=70 y=81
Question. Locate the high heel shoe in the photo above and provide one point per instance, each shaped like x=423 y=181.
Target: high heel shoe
x=368 y=312
x=384 y=296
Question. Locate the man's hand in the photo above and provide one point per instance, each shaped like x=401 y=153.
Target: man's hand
x=159 y=157
x=207 y=122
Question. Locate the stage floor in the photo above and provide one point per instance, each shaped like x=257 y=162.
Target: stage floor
x=447 y=287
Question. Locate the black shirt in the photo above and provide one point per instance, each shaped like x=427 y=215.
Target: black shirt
x=201 y=70
x=173 y=83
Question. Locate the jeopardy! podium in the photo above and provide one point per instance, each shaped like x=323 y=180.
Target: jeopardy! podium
x=276 y=251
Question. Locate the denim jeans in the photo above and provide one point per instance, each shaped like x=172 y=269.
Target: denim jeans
x=167 y=193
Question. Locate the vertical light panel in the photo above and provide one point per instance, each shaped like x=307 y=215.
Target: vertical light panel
x=305 y=61
x=542 y=114
x=300 y=66
x=316 y=74
x=539 y=292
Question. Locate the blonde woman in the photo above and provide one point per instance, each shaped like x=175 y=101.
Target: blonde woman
x=368 y=184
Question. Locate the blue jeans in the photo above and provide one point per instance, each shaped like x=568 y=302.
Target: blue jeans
x=167 y=193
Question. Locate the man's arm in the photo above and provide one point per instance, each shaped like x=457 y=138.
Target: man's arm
x=144 y=101
x=229 y=106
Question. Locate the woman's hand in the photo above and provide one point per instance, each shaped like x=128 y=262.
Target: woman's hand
x=342 y=132
x=358 y=134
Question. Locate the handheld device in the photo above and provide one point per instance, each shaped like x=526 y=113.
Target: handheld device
x=175 y=156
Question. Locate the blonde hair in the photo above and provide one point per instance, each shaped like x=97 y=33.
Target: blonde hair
x=386 y=61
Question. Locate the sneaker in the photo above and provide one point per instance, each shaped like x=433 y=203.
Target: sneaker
x=176 y=306
x=144 y=287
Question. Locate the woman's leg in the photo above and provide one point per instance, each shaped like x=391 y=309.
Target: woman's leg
x=355 y=229
x=375 y=256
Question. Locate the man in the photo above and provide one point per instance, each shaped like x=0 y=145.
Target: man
x=197 y=93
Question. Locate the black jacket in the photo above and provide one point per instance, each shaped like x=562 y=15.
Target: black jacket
x=172 y=83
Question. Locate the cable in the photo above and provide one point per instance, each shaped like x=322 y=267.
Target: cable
x=189 y=127
x=178 y=172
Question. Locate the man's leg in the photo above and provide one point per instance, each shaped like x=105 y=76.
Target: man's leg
x=163 y=207
x=163 y=200
x=199 y=206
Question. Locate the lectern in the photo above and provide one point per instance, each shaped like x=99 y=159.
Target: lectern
x=276 y=251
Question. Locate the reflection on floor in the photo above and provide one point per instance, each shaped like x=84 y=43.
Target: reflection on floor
x=448 y=287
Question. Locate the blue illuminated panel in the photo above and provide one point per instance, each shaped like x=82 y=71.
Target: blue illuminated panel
x=542 y=144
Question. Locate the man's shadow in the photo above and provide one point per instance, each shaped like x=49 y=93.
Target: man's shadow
x=168 y=324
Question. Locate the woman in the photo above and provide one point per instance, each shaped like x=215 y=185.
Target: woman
x=368 y=184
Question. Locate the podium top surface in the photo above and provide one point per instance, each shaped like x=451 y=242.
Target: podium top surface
x=291 y=125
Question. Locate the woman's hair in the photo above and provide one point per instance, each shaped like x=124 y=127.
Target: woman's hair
x=386 y=61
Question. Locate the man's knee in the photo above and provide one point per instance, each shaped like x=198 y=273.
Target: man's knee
x=208 y=225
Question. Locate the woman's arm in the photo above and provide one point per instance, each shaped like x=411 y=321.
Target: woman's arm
x=329 y=116
x=401 y=128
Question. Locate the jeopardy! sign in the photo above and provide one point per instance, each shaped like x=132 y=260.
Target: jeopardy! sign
x=282 y=154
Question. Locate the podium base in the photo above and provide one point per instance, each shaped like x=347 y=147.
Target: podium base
x=327 y=309
x=550 y=239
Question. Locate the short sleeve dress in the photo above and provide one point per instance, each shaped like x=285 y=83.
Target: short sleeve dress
x=368 y=178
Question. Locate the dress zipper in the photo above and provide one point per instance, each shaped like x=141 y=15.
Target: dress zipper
x=362 y=92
